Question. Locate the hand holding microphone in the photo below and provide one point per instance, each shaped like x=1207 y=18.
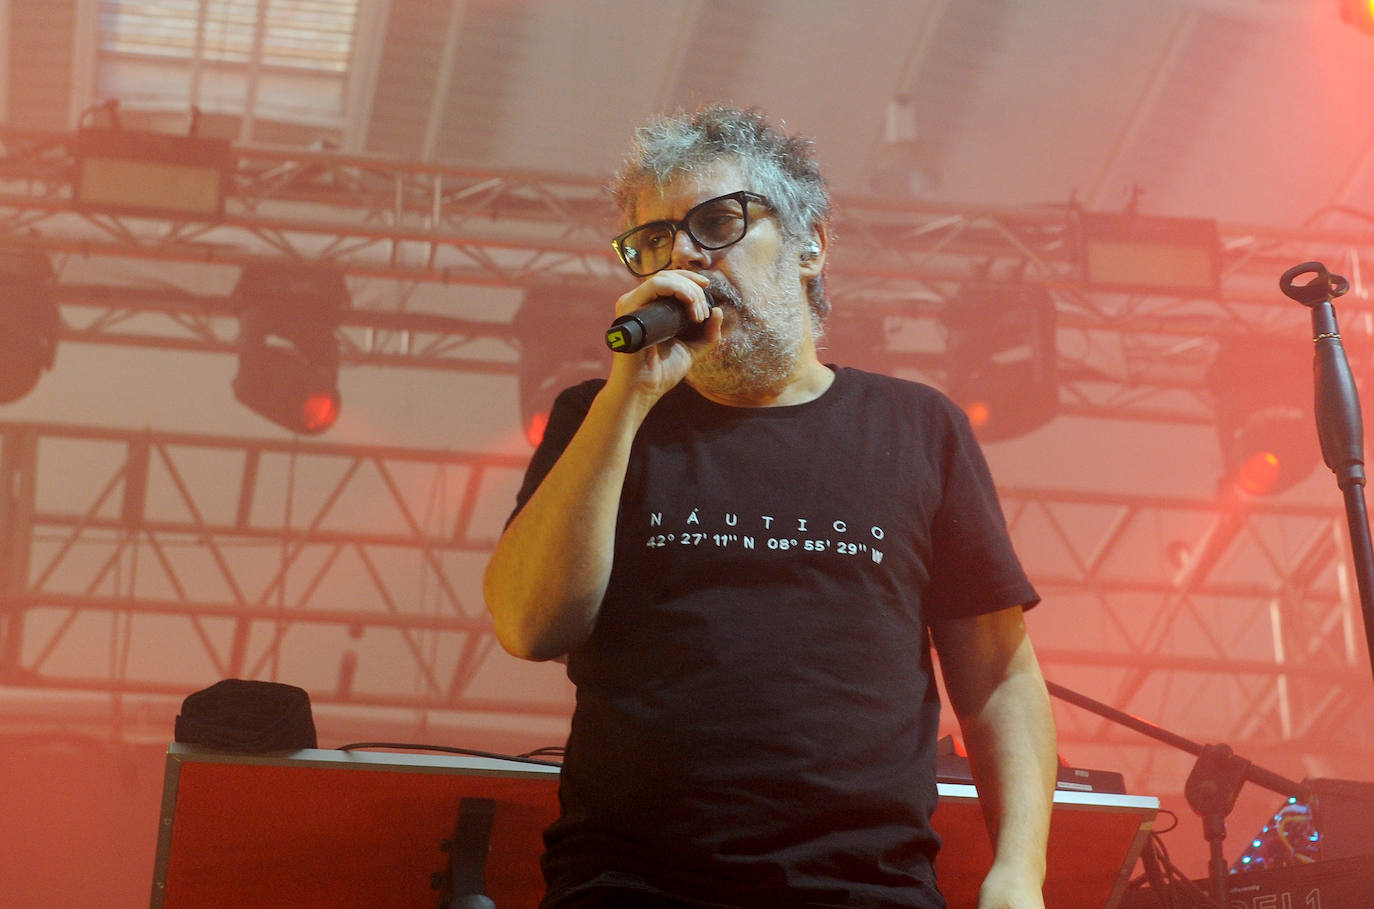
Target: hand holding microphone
x=653 y=323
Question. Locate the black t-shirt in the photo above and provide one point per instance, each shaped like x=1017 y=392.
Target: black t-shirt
x=756 y=718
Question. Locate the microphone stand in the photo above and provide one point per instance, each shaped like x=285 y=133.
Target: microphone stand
x=1339 y=424
x=1212 y=787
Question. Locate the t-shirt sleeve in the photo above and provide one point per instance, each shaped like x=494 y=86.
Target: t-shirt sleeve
x=974 y=566
x=569 y=410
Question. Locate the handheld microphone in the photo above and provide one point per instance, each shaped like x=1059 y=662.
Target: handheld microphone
x=653 y=323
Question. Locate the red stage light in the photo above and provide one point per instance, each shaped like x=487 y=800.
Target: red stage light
x=1262 y=392
x=288 y=354
x=319 y=411
x=1359 y=13
x=535 y=427
x=1259 y=472
x=1001 y=358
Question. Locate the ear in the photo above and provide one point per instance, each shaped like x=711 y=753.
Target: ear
x=813 y=252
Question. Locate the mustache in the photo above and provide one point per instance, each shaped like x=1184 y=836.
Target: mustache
x=724 y=294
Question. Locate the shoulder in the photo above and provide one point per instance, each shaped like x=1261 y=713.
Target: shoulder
x=916 y=401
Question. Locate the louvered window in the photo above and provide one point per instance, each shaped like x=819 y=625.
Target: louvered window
x=168 y=54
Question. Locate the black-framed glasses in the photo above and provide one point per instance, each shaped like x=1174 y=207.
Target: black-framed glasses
x=714 y=224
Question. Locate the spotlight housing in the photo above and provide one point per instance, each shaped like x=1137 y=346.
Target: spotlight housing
x=1001 y=358
x=1265 y=427
x=29 y=320
x=561 y=332
x=288 y=354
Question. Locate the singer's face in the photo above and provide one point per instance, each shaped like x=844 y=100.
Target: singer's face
x=766 y=333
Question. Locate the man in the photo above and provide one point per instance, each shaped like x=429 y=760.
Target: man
x=743 y=572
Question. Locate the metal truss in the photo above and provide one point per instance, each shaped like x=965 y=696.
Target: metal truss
x=190 y=558
x=1223 y=619
x=193 y=558
x=426 y=222
x=898 y=268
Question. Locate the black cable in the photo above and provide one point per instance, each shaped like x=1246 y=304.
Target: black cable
x=109 y=106
x=1154 y=872
x=1164 y=880
x=1180 y=881
x=1170 y=829
x=550 y=750
x=406 y=746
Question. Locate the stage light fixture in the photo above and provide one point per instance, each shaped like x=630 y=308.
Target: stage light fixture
x=288 y=354
x=1359 y=13
x=156 y=174
x=1133 y=253
x=561 y=332
x=904 y=166
x=1001 y=358
x=29 y=320
x=1263 y=395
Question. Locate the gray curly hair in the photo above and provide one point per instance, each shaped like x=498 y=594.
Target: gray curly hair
x=776 y=165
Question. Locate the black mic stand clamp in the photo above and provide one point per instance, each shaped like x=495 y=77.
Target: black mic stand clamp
x=1211 y=790
x=1339 y=424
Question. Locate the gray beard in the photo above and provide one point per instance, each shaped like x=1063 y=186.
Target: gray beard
x=759 y=355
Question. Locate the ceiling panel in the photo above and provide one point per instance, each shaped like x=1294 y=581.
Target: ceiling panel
x=489 y=52
x=40 y=62
x=405 y=92
x=833 y=80
x=1198 y=104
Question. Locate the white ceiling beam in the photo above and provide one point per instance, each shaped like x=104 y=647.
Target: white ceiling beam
x=924 y=39
x=689 y=14
x=253 y=76
x=198 y=55
x=442 y=79
x=5 y=61
x=85 y=51
x=364 y=69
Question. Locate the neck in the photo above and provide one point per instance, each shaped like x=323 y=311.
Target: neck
x=805 y=383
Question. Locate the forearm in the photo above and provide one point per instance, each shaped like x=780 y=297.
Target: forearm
x=546 y=578
x=549 y=572
x=998 y=694
x=1011 y=745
